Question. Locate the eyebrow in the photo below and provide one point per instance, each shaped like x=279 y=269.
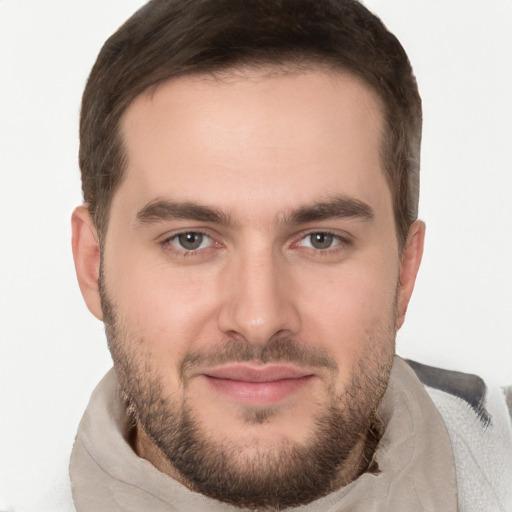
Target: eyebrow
x=339 y=207
x=162 y=210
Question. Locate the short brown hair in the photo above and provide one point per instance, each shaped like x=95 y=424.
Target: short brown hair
x=170 y=38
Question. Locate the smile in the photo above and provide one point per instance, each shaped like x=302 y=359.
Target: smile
x=257 y=385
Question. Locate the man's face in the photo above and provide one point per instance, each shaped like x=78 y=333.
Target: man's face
x=250 y=277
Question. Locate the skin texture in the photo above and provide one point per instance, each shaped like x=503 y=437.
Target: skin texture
x=295 y=271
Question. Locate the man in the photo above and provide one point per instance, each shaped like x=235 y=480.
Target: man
x=250 y=239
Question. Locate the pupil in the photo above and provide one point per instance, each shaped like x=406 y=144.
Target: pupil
x=321 y=240
x=190 y=241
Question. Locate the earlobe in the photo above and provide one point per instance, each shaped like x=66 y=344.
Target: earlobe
x=409 y=266
x=86 y=253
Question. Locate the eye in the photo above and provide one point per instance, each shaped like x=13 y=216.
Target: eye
x=190 y=241
x=320 y=240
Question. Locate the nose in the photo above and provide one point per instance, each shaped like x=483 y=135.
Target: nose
x=259 y=299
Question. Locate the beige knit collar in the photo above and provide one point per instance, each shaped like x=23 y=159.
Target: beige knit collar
x=414 y=456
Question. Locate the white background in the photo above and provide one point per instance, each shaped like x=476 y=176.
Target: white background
x=53 y=352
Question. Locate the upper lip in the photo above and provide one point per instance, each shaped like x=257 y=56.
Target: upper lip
x=256 y=373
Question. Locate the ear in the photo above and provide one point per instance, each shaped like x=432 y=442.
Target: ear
x=409 y=266
x=86 y=253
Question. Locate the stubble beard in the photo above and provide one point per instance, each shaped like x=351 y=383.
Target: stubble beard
x=256 y=477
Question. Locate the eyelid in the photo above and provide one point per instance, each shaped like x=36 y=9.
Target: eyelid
x=165 y=241
x=172 y=233
x=344 y=240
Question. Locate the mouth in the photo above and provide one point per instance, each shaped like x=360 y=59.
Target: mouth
x=257 y=385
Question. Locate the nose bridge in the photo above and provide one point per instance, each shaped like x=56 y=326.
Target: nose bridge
x=257 y=304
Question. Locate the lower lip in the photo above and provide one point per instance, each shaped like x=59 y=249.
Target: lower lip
x=259 y=393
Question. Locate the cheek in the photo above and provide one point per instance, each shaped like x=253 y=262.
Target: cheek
x=351 y=312
x=163 y=306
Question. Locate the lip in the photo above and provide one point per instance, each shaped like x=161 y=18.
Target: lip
x=257 y=373
x=257 y=385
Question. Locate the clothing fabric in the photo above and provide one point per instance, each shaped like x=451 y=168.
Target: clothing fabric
x=445 y=446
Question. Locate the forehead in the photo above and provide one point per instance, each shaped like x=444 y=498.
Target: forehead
x=274 y=138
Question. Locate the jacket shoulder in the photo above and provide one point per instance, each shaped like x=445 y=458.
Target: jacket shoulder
x=478 y=422
x=468 y=387
x=508 y=396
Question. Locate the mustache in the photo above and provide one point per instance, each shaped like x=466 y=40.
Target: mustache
x=276 y=350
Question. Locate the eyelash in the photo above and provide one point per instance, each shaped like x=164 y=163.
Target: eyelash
x=343 y=243
x=168 y=246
